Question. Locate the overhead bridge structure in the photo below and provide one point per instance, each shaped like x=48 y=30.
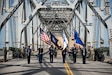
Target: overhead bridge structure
x=20 y=21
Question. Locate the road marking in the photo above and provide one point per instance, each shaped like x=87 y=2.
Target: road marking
x=68 y=70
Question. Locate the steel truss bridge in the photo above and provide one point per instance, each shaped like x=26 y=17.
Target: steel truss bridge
x=20 y=21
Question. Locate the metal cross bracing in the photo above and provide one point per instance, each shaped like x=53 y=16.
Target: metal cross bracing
x=54 y=16
x=37 y=6
x=105 y=19
x=12 y=10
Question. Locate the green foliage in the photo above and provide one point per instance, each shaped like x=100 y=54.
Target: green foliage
x=103 y=49
x=1 y=49
x=16 y=52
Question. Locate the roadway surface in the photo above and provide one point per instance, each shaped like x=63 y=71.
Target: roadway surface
x=20 y=67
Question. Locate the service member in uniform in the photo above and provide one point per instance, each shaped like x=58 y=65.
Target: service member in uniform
x=51 y=53
x=28 y=52
x=74 y=53
x=55 y=52
x=40 y=55
x=84 y=55
x=64 y=52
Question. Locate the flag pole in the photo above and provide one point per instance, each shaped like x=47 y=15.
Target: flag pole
x=40 y=42
x=85 y=40
x=63 y=38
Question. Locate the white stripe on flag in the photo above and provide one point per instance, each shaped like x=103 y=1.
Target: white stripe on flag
x=65 y=41
x=44 y=37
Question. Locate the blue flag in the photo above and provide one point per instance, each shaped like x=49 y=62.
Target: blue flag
x=54 y=39
x=77 y=38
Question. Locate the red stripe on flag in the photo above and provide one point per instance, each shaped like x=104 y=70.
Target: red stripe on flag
x=44 y=37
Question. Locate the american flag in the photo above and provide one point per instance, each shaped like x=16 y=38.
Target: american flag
x=44 y=37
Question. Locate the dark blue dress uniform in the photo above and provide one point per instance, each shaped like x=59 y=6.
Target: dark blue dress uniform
x=40 y=55
x=64 y=52
x=84 y=55
x=74 y=53
x=51 y=53
x=55 y=52
x=28 y=52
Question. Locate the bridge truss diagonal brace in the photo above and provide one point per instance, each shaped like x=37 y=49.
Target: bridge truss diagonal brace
x=68 y=1
x=7 y=16
x=26 y=23
x=81 y=19
x=38 y=6
x=107 y=22
x=78 y=15
x=105 y=19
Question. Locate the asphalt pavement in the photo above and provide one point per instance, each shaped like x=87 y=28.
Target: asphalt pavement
x=20 y=67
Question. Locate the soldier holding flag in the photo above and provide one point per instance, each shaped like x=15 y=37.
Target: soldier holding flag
x=28 y=52
x=74 y=53
x=51 y=53
x=84 y=55
x=65 y=47
x=83 y=50
x=64 y=52
x=40 y=55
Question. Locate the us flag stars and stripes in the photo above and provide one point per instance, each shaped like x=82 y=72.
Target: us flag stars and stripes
x=44 y=37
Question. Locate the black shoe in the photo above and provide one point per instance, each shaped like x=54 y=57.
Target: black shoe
x=40 y=62
x=74 y=62
x=63 y=61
